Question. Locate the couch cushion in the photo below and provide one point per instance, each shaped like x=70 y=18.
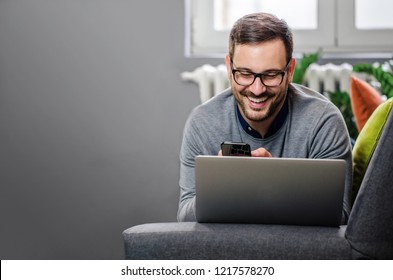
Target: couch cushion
x=370 y=225
x=364 y=100
x=366 y=143
x=234 y=241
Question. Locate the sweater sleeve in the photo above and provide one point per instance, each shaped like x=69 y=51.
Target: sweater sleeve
x=189 y=150
x=207 y=126
x=331 y=140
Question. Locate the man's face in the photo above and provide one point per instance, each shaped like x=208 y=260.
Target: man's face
x=257 y=102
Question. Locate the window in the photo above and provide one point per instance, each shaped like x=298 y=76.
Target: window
x=226 y=12
x=369 y=15
x=336 y=26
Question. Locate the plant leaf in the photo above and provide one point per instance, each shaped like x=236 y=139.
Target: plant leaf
x=301 y=68
x=383 y=77
x=343 y=102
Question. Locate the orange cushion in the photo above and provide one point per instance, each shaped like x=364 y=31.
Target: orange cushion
x=364 y=100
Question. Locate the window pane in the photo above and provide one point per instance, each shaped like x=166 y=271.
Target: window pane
x=300 y=14
x=376 y=14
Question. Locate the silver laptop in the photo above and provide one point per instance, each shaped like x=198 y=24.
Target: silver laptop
x=269 y=190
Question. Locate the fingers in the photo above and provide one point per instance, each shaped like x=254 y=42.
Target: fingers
x=261 y=152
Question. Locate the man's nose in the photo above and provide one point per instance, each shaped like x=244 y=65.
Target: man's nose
x=257 y=87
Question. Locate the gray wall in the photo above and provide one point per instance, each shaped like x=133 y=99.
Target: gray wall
x=92 y=110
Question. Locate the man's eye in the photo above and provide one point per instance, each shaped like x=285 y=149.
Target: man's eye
x=246 y=74
x=271 y=75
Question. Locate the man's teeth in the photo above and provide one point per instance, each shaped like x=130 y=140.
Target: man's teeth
x=257 y=100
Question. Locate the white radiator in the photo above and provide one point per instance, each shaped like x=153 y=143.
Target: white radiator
x=322 y=78
x=210 y=79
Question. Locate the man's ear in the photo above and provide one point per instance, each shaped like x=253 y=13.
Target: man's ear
x=291 y=69
x=228 y=64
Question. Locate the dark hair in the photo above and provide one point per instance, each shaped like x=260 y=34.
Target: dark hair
x=260 y=27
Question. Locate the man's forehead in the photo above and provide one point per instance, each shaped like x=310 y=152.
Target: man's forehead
x=260 y=56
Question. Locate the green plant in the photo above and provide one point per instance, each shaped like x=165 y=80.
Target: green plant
x=301 y=67
x=343 y=102
x=340 y=99
x=385 y=78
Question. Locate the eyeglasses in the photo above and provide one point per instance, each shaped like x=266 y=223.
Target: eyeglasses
x=272 y=78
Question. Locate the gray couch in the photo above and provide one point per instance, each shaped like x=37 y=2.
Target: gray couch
x=368 y=234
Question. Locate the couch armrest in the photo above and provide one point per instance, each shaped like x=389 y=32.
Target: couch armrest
x=234 y=241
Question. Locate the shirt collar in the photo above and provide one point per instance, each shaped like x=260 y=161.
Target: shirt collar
x=275 y=126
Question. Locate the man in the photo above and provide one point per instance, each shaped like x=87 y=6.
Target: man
x=263 y=109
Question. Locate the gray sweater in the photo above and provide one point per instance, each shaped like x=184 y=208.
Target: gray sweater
x=314 y=128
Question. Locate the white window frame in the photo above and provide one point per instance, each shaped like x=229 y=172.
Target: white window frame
x=336 y=33
x=350 y=38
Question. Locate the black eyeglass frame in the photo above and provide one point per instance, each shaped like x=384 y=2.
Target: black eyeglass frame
x=261 y=75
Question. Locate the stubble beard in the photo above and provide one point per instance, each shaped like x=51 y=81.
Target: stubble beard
x=254 y=114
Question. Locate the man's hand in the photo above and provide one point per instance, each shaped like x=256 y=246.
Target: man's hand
x=261 y=152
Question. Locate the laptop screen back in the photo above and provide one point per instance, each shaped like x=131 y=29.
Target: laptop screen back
x=269 y=190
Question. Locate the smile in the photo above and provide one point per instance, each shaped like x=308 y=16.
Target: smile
x=257 y=100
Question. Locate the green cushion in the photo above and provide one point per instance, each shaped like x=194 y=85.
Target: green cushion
x=366 y=143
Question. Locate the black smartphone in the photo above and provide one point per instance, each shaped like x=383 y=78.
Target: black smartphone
x=235 y=149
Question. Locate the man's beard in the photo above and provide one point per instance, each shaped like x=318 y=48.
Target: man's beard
x=273 y=107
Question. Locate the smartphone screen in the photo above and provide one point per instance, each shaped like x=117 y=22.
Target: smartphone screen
x=235 y=149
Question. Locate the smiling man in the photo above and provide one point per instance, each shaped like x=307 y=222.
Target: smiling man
x=263 y=108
